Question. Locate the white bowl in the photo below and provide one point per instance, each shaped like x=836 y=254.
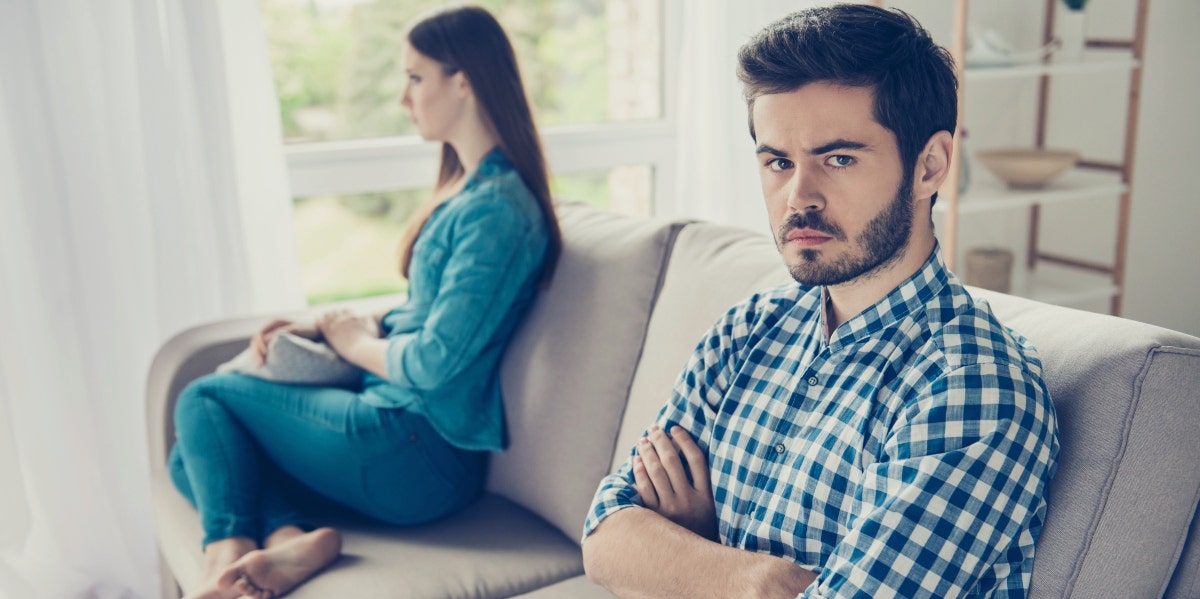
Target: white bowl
x=1024 y=167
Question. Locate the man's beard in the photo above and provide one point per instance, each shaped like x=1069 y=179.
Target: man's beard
x=882 y=242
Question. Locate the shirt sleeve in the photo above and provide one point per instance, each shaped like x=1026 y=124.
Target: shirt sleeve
x=958 y=497
x=693 y=402
x=490 y=259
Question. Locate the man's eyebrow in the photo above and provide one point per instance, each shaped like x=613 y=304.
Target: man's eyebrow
x=838 y=144
x=765 y=149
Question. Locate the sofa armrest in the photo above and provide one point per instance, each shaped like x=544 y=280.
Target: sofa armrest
x=198 y=351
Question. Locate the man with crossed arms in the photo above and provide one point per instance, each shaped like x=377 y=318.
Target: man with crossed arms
x=872 y=430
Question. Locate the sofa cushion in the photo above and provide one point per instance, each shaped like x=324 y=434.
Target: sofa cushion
x=712 y=267
x=492 y=549
x=567 y=372
x=572 y=588
x=1185 y=583
x=1128 y=404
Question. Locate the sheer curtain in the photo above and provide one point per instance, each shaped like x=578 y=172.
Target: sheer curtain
x=142 y=190
x=715 y=163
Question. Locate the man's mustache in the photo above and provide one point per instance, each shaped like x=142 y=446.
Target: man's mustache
x=811 y=220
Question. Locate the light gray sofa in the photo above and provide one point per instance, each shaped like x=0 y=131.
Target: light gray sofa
x=595 y=360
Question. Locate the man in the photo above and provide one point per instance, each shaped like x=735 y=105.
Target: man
x=872 y=431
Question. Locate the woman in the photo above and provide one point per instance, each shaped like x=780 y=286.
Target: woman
x=410 y=444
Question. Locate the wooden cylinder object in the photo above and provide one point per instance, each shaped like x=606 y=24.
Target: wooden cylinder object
x=990 y=268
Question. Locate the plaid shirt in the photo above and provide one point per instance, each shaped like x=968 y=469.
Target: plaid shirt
x=906 y=456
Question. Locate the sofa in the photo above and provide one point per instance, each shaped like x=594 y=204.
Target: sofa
x=594 y=361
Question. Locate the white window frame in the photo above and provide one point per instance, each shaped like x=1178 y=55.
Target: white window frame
x=396 y=163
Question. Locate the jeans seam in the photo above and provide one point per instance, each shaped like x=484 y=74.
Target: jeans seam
x=207 y=402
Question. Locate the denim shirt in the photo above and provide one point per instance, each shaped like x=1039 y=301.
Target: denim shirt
x=474 y=273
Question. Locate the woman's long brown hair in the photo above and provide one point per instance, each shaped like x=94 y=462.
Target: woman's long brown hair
x=469 y=39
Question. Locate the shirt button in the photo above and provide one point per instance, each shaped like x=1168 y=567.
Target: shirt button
x=812 y=380
x=779 y=448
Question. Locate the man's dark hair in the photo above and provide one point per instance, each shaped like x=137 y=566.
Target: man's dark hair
x=858 y=45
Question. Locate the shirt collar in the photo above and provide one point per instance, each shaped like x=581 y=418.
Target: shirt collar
x=908 y=297
x=493 y=163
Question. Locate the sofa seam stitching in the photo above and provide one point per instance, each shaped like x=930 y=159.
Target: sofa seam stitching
x=1111 y=478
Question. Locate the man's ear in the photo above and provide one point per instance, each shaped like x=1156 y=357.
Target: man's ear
x=933 y=165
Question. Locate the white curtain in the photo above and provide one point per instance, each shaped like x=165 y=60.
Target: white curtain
x=715 y=162
x=142 y=191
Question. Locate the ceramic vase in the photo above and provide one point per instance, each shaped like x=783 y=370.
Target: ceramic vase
x=1071 y=29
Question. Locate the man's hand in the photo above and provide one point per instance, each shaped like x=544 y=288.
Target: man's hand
x=342 y=329
x=664 y=484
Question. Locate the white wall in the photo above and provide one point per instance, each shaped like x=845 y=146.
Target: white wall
x=1163 y=284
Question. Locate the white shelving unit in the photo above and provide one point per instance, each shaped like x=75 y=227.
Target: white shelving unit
x=988 y=194
x=1094 y=62
x=1054 y=284
x=1051 y=278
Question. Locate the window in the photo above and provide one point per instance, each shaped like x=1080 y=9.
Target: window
x=594 y=73
x=348 y=244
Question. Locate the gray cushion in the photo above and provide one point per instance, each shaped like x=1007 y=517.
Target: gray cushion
x=712 y=268
x=1128 y=406
x=492 y=549
x=294 y=359
x=1185 y=584
x=572 y=588
x=566 y=373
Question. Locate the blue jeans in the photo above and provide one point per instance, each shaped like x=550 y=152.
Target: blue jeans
x=254 y=455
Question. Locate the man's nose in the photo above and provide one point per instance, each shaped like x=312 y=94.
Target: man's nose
x=804 y=194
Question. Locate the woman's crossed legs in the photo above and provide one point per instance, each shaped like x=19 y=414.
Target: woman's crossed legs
x=250 y=453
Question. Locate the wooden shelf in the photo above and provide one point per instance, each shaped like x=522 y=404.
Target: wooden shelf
x=1119 y=58
x=1093 y=62
x=988 y=194
x=1062 y=285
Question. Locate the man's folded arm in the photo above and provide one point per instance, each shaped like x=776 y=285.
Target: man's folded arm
x=637 y=553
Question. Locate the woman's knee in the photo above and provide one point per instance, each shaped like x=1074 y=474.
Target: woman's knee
x=196 y=401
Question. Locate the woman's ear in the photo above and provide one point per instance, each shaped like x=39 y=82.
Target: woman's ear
x=462 y=85
x=933 y=165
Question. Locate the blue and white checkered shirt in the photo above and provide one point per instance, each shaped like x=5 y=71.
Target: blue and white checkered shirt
x=908 y=456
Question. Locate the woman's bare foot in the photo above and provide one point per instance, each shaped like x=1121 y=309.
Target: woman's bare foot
x=282 y=535
x=269 y=573
x=218 y=556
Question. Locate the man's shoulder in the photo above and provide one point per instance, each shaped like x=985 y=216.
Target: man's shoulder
x=967 y=332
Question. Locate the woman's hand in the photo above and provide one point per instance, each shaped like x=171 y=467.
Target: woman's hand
x=664 y=484
x=262 y=338
x=342 y=329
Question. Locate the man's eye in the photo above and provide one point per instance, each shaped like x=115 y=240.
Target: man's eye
x=839 y=161
x=779 y=164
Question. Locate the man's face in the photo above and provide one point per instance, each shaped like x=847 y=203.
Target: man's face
x=839 y=201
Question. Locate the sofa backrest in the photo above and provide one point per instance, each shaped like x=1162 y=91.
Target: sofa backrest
x=1127 y=397
x=566 y=373
x=712 y=268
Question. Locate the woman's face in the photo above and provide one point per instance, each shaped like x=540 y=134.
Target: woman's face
x=436 y=103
